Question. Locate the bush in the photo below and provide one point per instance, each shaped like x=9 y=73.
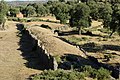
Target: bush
x=100 y=74
x=76 y=40
x=104 y=30
x=45 y=26
x=22 y=20
x=58 y=59
x=59 y=75
x=87 y=70
x=103 y=74
x=15 y=19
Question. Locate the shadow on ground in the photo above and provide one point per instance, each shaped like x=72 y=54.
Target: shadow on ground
x=92 y=61
x=27 y=49
x=33 y=61
x=74 y=61
x=74 y=32
x=92 y=47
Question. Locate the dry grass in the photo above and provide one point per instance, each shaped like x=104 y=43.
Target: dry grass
x=12 y=65
x=52 y=25
x=51 y=18
x=54 y=45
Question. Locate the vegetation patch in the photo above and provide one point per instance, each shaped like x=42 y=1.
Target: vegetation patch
x=85 y=71
x=76 y=40
x=45 y=26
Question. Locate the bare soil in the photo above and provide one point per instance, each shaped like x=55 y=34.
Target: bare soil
x=12 y=64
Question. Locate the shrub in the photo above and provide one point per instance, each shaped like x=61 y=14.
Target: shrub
x=58 y=59
x=45 y=26
x=103 y=74
x=76 y=40
x=100 y=74
x=87 y=70
x=15 y=19
x=22 y=20
x=104 y=30
x=59 y=75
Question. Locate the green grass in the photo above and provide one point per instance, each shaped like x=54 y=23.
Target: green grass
x=76 y=40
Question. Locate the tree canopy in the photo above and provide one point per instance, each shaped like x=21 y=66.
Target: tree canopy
x=61 y=12
x=3 y=12
x=41 y=10
x=80 y=16
x=30 y=10
x=14 y=11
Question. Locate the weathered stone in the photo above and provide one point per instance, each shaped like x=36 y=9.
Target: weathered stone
x=55 y=64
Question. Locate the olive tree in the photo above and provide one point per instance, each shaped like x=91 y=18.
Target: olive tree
x=94 y=9
x=111 y=17
x=14 y=11
x=30 y=10
x=80 y=16
x=41 y=10
x=115 y=22
x=3 y=11
x=61 y=12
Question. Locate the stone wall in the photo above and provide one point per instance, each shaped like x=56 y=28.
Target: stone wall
x=47 y=61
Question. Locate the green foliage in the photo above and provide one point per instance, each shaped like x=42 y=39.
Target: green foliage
x=14 y=11
x=114 y=24
x=62 y=0
x=41 y=10
x=3 y=7
x=106 y=14
x=3 y=12
x=45 y=26
x=94 y=9
x=80 y=16
x=22 y=20
x=105 y=30
x=103 y=74
x=76 y=40
x=58 y=59
x=61 y=11
x=30 y=10
x=17 y=19
x=86 y=71
x=2 y=19
x=59 y=75
x=100 y=74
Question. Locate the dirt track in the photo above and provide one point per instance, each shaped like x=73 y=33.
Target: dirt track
x=12 y=65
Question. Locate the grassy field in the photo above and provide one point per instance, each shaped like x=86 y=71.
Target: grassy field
x=99 y=45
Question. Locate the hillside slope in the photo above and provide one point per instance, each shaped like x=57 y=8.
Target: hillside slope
x=53 y=44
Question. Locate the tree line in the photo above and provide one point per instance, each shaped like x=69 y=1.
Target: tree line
x=79 y=13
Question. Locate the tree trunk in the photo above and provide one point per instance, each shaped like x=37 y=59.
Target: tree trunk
x=112 y=33
x=79 y=29
x=3 y=25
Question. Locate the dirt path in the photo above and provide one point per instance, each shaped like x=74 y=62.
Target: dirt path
x=12 y=64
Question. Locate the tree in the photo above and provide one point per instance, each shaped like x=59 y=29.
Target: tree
x=111 y=17
x=14 y=11
x=106 y=14
x=80 y=16
x=42 y=10
x=30 y=10
x=115 y=22
x=61 y=12
x=3 y=12
x=62 y=0
x=94 y=9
